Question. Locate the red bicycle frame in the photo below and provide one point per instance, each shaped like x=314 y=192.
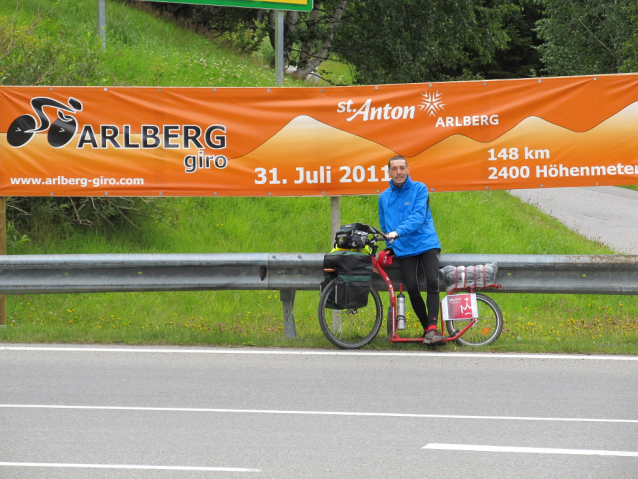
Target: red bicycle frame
x=392 y=312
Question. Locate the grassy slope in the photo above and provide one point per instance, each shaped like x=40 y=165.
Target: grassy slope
x=144 y=50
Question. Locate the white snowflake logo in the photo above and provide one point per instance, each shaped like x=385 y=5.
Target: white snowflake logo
x=432 y=103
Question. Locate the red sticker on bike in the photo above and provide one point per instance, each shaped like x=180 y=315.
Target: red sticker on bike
x=459 y=306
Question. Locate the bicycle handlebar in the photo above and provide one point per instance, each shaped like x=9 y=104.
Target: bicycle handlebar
x=377 y=235
x=376 y=238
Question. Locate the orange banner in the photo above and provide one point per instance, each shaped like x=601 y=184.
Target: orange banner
x=142 y=141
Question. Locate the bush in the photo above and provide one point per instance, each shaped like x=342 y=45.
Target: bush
x=34 y=55
x=85 y=211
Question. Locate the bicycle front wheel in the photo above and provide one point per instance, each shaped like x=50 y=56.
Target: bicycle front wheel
x=486 y=330
x=350 y=328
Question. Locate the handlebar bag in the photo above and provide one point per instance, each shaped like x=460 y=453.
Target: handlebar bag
x=351 y=236
x=353 y=274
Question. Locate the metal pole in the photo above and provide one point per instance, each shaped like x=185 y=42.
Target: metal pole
x=279 y=47
x=3 y=251
x=335 y=216
x=101 y=21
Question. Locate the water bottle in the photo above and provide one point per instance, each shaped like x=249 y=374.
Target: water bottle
x=401 y=309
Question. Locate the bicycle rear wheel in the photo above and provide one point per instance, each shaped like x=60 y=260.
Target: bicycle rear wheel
x=486 y=330
x=350 y=328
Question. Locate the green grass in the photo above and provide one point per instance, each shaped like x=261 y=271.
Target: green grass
x=145 y=50
x=335 y=72
x=141 y=48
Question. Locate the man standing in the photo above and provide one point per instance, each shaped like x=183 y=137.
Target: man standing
x=404 y=211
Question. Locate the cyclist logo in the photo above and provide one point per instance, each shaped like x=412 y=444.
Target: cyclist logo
x=60 y=133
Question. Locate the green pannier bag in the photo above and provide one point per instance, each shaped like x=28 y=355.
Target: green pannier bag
x=353 y=271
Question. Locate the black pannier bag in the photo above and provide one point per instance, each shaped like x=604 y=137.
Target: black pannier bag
x=353 y=271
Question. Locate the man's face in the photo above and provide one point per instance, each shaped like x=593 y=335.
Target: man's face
x=399 y=172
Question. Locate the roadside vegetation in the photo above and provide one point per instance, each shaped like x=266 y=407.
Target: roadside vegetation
x=58 y=45
x=469 y=222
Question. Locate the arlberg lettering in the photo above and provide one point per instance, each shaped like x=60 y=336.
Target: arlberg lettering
x=172 y=137
x=475 y=120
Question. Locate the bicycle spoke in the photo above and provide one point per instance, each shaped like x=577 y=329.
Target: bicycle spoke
x=488 y=327
x=351 y=328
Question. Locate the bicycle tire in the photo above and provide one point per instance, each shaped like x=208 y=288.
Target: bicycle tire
x=351 y=328
x=488 y=327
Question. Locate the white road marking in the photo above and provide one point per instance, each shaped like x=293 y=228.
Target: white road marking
x=315 y=413
x=307 y=352
x=528 y=450
x=125 y=466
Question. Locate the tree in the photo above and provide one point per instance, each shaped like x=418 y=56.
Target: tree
x=588 y=36
x=520 y=58
x=387 y=41
x=309 y=38
x=630 y=47
x=420 y=40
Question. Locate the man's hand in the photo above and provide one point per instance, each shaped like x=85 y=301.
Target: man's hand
x=392 y=235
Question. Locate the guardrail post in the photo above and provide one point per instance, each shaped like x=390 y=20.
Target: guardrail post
x=287 y=297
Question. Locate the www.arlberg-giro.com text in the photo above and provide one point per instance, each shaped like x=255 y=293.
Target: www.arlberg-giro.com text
x=82 y=182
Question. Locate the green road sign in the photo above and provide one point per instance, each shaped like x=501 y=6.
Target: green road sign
x=301 y=5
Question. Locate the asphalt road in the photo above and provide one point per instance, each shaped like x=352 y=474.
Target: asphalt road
x=607 y=214
x=109 y=412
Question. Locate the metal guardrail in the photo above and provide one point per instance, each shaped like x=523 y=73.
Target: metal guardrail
x=290 y=272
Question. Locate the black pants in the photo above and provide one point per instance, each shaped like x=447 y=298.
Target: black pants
x=427 y=262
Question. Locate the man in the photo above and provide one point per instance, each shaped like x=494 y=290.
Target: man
x=404 y=211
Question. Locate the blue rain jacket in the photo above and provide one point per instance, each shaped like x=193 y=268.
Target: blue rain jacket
x=406 y=210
